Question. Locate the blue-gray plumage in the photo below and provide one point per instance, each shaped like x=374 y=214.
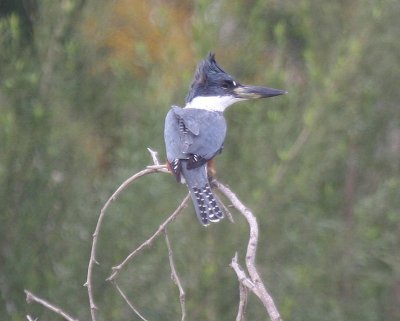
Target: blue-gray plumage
x=193 y=137
x=195 y=134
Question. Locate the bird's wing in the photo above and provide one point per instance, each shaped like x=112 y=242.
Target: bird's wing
x=193 y=134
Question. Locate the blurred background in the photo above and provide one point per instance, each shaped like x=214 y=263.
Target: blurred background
x=84 y=89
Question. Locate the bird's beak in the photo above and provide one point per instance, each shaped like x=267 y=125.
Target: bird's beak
x=255 y=92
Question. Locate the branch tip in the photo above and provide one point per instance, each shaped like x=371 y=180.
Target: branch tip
x=30 y=297
x=111 y=278
x=154 y=156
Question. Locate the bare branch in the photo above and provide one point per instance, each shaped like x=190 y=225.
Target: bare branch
x=92 y=261
x=244 y=285
x=159 y=168
x=225 y=209
x=175 y=277
x=129 y=302
x=261 y=291
x=251 y=283
x=154 y=156
x=242 y=277
x=30 y=297
x=243 y=296
x=150 y=240
x=30 y=318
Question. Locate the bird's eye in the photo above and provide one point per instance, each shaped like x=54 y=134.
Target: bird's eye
x=225 y=85
x=228 y=84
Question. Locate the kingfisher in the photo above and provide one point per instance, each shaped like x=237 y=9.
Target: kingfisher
x=195 y=134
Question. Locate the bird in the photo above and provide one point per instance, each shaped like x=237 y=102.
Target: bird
x=195 y=134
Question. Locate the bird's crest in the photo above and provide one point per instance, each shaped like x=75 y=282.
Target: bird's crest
x=207 y=67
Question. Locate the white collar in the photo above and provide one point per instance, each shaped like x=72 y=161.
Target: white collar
x=212 y=103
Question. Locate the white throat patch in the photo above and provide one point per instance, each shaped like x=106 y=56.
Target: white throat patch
x=213 y=103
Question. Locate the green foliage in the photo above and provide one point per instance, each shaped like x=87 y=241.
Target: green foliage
x=85 y=91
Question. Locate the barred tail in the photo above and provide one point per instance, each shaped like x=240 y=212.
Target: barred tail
x=205 y=204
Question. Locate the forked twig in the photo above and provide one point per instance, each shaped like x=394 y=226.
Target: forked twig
x=30 y=297
x=242 y=277
x=259 y=287
x=252 y=282
x=92 y=261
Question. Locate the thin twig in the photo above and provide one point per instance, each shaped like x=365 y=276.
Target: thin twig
x=243 y=296
x=154 y=156
x=30 y=297
x=242 y=277
x=261 y=290
x=175 y=277
x=225 y=209
x=129 y=302
x=150 y=240
x=30 y=318
x=93 y=260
